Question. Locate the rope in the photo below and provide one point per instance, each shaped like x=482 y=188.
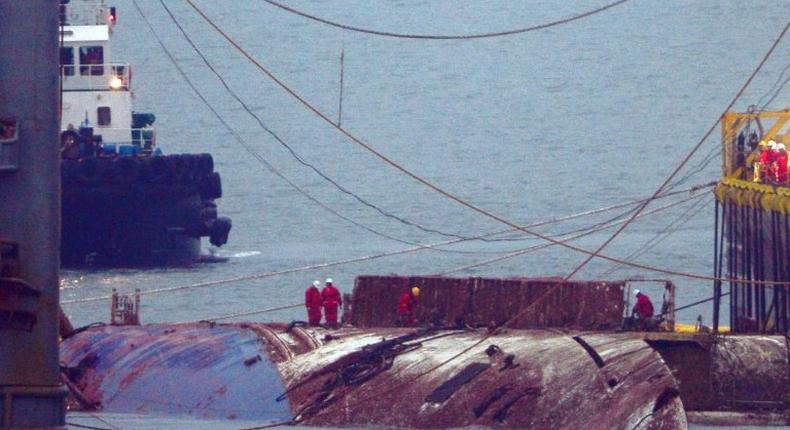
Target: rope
x=688 y=157
x=293 y=152
x=247 y=146
x=247 y=313
x=445 y=37
x=83 y=426
x=359 y=259
x=461 y=201
x=546 y=245
x=659 y=237
x=548 y=293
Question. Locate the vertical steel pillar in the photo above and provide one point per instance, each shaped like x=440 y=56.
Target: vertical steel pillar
x=30 y=389
x=717 y=265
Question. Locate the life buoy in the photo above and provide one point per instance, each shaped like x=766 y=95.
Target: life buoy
x=126 y=170
x=90 y=171
x=211 y=186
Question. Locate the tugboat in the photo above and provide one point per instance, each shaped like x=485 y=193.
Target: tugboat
x=124 y=203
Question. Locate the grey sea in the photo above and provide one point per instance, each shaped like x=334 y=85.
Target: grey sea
x=529 y=127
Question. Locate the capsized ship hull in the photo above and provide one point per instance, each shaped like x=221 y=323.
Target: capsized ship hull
x=387 y=376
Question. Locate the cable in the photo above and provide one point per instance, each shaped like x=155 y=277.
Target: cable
x=339 y=262
x=546 y=245
x=259 y=157
x=83 y=426
x=777 y=92
x=779 y=79
x=454 y=197
x=661 y=235
x=290 y=149
x=247 y=313
x=551 y=291
x=684 y=307
x=688 y=157
x=445 y=37
x=244 y=143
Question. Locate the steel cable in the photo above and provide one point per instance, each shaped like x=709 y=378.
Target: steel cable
x=688 y=157
x=574 y=237
x=363 y=258
x=663 y=234
x=248 y=147
x=292 y=151
x=445 y=37
x=547 y=294
x=590 y=254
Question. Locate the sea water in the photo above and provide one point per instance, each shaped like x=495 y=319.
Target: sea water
x=527 y=127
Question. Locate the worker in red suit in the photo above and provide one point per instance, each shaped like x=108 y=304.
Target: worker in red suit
x=643 y=309
x=407 y=307
x=332 y=301
x=763 y=172
x=313 y=302
x=780 y=164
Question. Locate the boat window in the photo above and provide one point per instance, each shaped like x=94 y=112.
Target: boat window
x=67 y=60
x=103 y=115
x=91 y=60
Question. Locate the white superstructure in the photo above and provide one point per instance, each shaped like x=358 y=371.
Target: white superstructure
x=96 y=91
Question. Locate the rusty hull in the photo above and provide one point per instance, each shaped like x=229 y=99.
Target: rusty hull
x=479 y=302
x=384 y=376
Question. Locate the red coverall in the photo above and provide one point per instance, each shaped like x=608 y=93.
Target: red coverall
x=332 y=301
x=767 y=158
x=406 y=309
x=313 y=303
x=780 y=167
x=643 y=307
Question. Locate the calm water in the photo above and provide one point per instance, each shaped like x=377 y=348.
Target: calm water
x=530 y=127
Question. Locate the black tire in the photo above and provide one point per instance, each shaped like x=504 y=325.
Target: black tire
x=220 y=231
x=156 y=170
x=179 y=166
x=90 y=171
x=126 y=170
x=69 y=171
x=191 y=173
x=211 y=187
x=205 y=165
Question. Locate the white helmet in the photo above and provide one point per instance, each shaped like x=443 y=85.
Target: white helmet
x=316 y=283
x=780 y=146
x=771 y=144
x=637 y=291
x=328 y=280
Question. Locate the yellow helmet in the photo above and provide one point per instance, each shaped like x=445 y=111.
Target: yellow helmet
x=415 y=291
x=763 y=143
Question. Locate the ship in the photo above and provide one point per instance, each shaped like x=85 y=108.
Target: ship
x=527 y=353
x=124 y=202
x=487 y=352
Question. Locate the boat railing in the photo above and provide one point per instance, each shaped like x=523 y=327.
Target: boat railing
x=141 y=139
x=740 y=137
x=97 y=77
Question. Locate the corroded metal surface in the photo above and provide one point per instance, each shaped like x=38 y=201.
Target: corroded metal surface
x=483 y=301
x=351 y=376
x=552 y=382
x=751 y=372
x=185 y=369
